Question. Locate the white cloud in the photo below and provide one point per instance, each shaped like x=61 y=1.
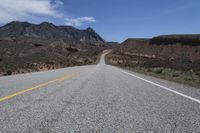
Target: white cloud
x=20 y=9
x=25 y=10
x=79 y=21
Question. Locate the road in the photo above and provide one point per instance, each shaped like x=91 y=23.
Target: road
x=96 y=98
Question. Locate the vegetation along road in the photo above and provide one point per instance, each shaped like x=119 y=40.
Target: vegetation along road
x=96 y=98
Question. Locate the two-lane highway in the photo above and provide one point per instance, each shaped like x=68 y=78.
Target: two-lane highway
x=96 y=98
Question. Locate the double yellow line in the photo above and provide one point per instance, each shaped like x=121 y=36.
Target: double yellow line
x=65 y=77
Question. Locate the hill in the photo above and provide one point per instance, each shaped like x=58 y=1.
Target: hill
x=47 y=31
x=26 y=47
x=164 y=58
x=192 y=40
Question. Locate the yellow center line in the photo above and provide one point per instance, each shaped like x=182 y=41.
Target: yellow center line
x=67 y=76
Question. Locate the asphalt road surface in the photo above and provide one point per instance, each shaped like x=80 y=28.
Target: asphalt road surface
x=96 y=98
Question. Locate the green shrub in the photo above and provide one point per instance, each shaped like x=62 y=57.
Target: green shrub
x=197 y=73
x=188 y=78
x=148 y=70
x=179 y=44
x=157 y=70
x=175 y=74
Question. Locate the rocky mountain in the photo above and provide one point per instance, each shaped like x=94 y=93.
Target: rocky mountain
x=47 y=31
x=26 y=47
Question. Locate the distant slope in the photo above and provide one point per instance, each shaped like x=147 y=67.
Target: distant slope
x=26 y=47
x=137 y=41
x=140 y=52
x=47 y=31
x=168 y=57
x=193 y=39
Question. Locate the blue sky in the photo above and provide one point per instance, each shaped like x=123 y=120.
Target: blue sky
x=114 y=20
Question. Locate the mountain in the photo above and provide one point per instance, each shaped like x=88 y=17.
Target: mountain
x=187 y=39
x=47 y=31
x=26 y=47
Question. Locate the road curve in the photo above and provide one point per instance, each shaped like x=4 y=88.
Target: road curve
x=96 y=98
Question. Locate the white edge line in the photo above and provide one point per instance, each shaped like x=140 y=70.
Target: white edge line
x=163 y=87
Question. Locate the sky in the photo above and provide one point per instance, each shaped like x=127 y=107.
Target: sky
x=114 y=20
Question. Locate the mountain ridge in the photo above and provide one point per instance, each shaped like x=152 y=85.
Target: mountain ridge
x=48 y=31
x=180 y=39
x=26 y=47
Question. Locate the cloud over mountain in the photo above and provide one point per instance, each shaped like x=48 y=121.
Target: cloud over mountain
x=79 y=21
x=27 y=10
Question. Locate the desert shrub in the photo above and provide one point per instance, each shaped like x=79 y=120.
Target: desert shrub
x=9 y=72
x=189 y=75
x=148 y=70
x=157 y=70
x=179 y=44
x=188 y=78
x=197 y=73
x=37 y=45
x=73 y=50
x=175 y=74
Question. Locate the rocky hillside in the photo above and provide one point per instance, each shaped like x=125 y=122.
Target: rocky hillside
x=176 y=59
x=191 y=40
x=47 y=31
x=26 y=47
x=140 y=52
